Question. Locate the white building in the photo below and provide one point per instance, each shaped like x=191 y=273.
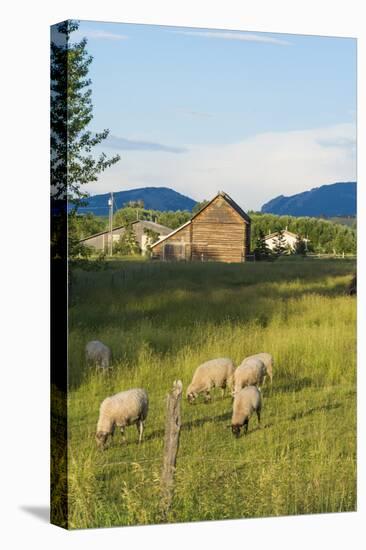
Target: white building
x=289 y=239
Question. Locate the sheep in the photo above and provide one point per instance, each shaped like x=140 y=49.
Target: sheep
x=267 y=359
x=251 y=372
x=216 y=373
x=122 y=409
x=246 y=402
x=98 y=354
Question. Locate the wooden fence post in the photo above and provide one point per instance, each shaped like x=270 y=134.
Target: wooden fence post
x=171 y=443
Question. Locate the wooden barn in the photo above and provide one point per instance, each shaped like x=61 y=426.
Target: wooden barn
x=219 y=232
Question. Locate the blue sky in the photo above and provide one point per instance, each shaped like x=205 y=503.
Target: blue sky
x=198 y=110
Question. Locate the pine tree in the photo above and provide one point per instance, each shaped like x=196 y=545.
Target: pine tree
x=72 y=162
x=261 y=250
x=280 y=244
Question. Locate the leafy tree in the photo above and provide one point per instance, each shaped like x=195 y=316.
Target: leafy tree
x=152 y=237
x=197 y=207
x=173 y=219
x=136 y=204
x=127 y=244
x=300 y=246
x=72 y=162
x=88 y=224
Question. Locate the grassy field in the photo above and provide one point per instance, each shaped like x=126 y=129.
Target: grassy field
x=162 y=320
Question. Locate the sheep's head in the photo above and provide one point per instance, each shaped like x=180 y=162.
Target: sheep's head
x=235 y=428
x=101 y=439
x=191 y=395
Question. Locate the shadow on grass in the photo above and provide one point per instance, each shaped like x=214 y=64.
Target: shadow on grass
x=309 y=412
x=294 y=386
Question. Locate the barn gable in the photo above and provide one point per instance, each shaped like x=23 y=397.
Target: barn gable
x=220 y=231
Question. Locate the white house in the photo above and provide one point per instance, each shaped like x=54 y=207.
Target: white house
x=289 y=239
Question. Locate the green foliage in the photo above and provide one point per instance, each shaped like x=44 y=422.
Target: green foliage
x=129 y=214
x=324 y=236
x=280 y=245
x=127 y=245
x=152 y=236
x=173 y=219
x=300 y=246
x=87 y=224
x=197 y=207
x=72 y=161
x=261 y=250
x=172 y=318
x=76 y=249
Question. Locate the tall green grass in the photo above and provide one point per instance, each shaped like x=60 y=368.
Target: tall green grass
x=161 y=321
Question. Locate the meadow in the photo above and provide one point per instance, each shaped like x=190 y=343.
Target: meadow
x=161 y=321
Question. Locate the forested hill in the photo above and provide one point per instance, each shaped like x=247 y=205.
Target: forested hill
x=337 y=199
x=153 y=198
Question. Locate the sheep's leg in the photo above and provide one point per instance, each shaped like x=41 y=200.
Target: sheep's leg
x=140 y=429
x=207 y=396
x=246 y=424
x=259 y=418
x=223 y=392
x=123 y=434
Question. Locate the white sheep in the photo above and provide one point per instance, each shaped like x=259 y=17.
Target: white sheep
x=267 y=360
x=246 y=402
x=251 y=372
x=122 y=409
x=216 y=373
x=98 y=354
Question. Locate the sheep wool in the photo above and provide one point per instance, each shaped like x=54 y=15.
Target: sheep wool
x=246 y=402
x=267 y=360
x=251 y=372
x=122 y=409
x=216 y=373
x=97 y=354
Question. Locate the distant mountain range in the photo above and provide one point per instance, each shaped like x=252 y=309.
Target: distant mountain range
x=154 y=198
x=337 y=199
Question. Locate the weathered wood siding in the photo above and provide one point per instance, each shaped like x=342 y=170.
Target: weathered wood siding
x=218 y=234
x=176 y=247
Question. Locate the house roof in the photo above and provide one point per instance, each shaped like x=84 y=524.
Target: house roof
x=285 y=232
x=147 y=223
x=232 y=203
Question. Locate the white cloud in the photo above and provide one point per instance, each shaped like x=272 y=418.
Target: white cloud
x=252 y=171
x=98 y=35
x=227 y=35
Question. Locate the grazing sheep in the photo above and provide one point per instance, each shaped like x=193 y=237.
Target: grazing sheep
x=98 y=355
x=217 y=373
x=251 y=372
x=246 y=402
x=267 y=359
x=122 y=409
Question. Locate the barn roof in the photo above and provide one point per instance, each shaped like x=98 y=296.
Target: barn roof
x=147 y=223
x=228 y=199
x=170 y=234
